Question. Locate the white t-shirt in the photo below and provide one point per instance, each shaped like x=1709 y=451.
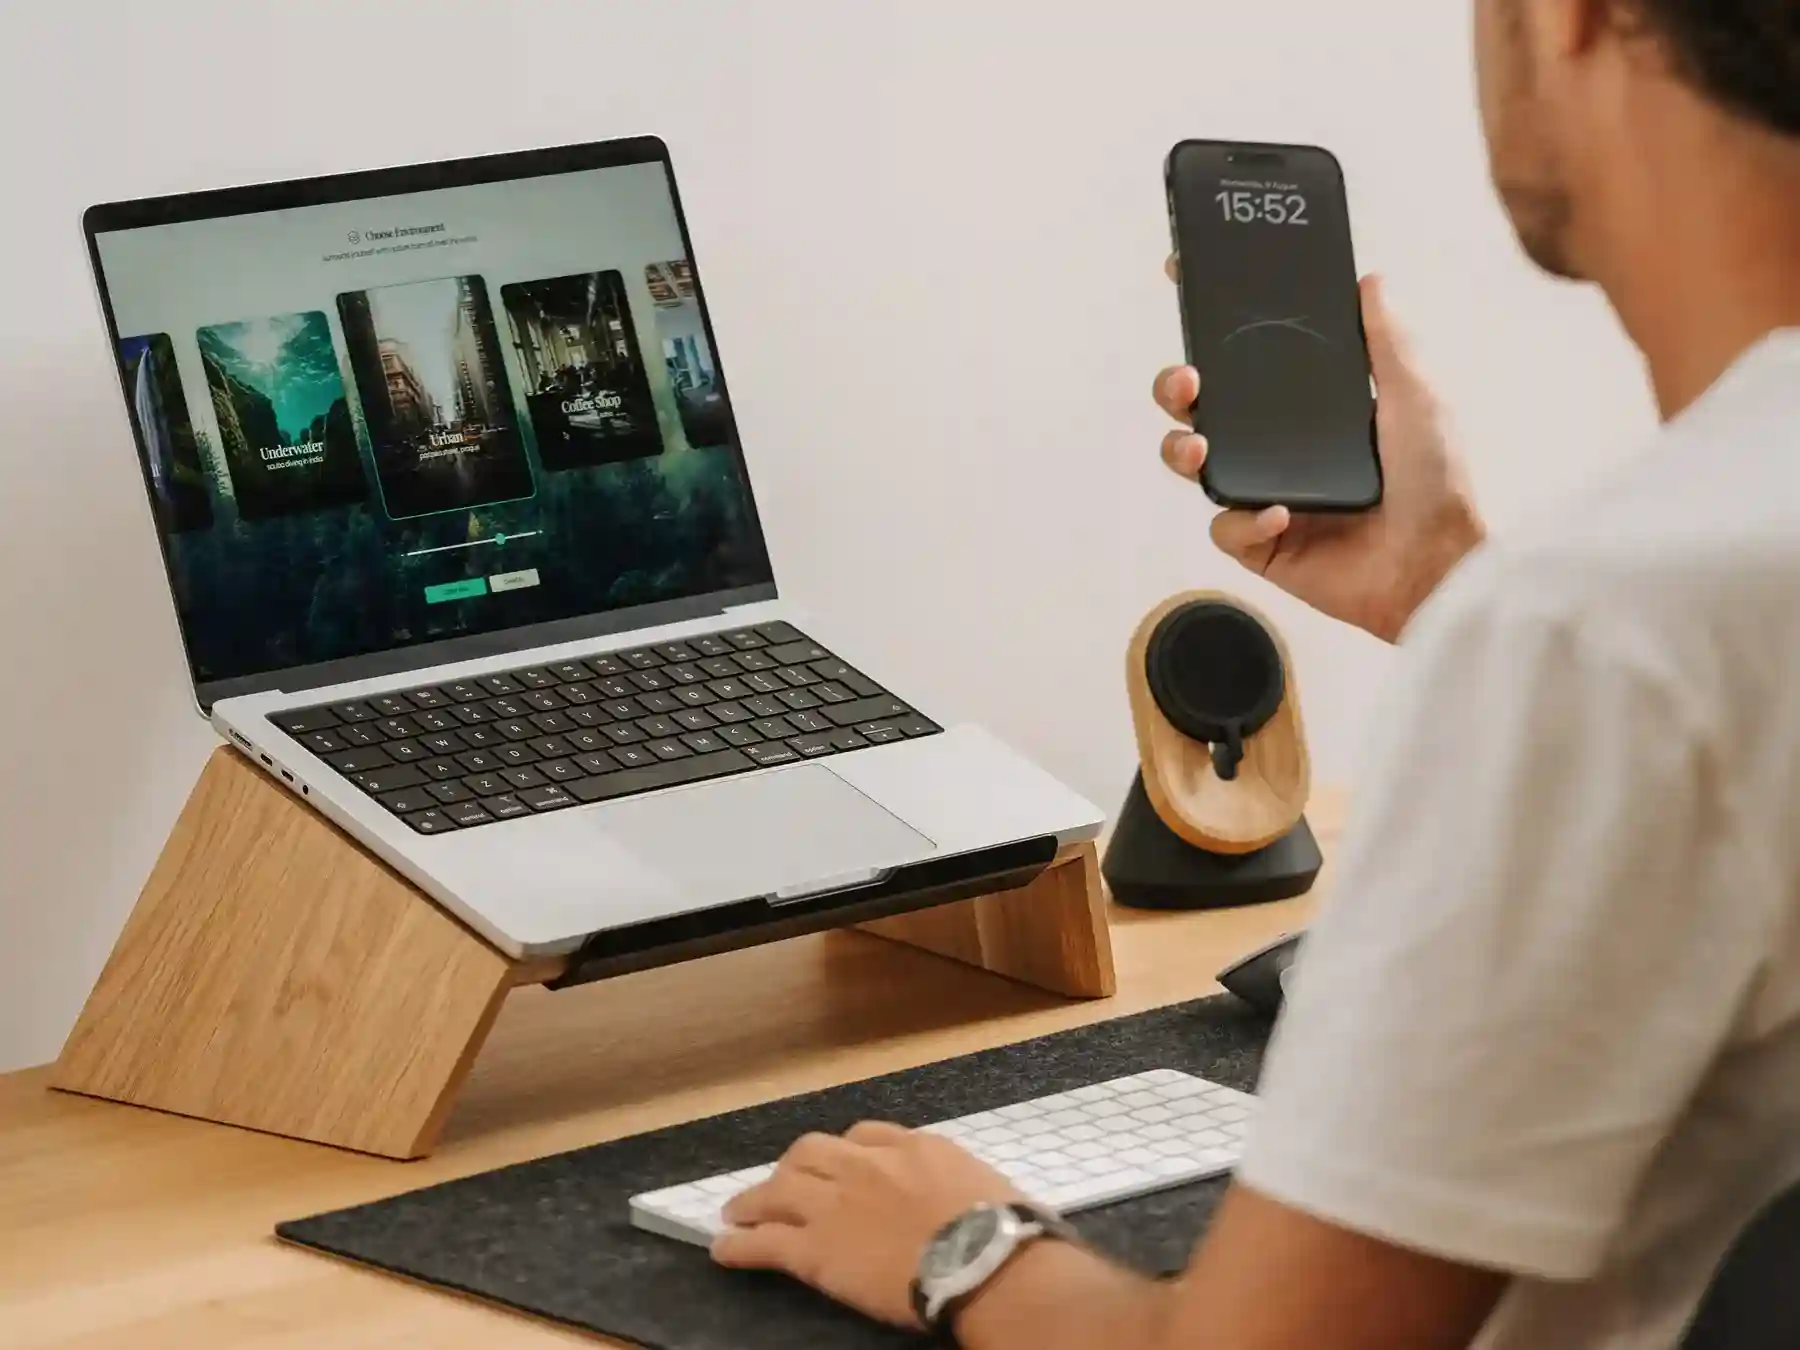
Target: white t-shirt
x=1549 y=1020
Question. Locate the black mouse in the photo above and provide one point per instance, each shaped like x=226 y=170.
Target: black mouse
x=1260 y=978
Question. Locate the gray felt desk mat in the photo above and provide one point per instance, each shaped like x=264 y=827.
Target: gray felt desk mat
x=554 y=1238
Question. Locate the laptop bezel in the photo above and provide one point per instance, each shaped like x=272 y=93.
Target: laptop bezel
x=288 y=194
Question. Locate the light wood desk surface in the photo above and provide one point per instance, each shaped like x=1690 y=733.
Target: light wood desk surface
x=124 y=1228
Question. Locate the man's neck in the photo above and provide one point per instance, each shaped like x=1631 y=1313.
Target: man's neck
x=1703 y=258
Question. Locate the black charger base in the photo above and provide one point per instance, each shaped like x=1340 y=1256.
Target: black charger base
x=1149 y=866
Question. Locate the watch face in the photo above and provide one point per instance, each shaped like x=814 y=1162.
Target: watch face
x=957 y=1247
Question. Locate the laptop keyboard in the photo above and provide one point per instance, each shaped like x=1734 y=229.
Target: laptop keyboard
x=613 y=724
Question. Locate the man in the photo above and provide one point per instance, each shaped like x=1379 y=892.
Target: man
x=1541 y=1062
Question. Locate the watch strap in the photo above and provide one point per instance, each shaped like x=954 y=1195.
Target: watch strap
x=1038 y=1222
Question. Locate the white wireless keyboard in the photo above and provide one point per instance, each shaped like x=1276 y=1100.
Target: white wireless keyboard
x=1069 y=1151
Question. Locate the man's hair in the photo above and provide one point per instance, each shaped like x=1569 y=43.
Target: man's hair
x=1745 y=54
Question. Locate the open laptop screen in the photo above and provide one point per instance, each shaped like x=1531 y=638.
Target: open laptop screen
x=383 y=415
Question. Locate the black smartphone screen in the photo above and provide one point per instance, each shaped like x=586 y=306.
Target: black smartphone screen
x=1273 y=322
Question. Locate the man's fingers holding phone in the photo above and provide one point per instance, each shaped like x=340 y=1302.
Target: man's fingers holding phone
x=1250 y=537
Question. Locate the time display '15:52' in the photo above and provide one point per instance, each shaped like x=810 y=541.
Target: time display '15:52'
x=1267 y=208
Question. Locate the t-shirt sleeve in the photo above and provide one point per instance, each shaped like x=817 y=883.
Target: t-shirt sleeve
x=1522 y=972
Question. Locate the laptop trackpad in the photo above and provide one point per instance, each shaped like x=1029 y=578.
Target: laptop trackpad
x=790 y=832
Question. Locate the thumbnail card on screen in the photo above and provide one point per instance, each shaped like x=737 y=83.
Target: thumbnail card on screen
x=284 y=421
x=159 y=413
x=586 y=387
x=693 y=374
x=426 y=359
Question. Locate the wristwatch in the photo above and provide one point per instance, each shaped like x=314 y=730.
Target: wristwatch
x=970 y=1250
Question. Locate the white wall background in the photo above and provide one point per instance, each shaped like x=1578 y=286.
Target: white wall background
x=932 y=233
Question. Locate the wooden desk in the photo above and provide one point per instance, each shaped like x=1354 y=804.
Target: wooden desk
x=123 y=1228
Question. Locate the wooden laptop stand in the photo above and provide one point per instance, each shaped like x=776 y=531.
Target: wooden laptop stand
x=277 y=976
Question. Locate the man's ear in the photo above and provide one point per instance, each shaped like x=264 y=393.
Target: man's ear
x=1572 y=29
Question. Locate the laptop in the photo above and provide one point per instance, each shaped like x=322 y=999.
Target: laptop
x=462 y=545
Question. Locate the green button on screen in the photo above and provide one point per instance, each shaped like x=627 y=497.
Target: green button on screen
x=456 y=590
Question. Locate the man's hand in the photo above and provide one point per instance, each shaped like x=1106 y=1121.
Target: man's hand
x=1375 y=568
x=851 y=1216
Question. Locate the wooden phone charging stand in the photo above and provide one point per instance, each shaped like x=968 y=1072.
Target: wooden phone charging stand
x=277 y=976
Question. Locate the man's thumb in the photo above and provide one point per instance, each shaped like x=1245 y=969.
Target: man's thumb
x=1390 y=357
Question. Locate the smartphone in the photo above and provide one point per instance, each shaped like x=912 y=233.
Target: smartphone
x=1272 y=317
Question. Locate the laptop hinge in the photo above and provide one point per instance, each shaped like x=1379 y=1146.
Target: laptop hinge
x=751 y=923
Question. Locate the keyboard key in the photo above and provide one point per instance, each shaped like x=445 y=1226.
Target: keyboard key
x=739 y=735
x=431 y=822
x=757 y=661
x=471 y=714
x=571 y=672
x=812 y=746
x=465 y=691
x=597 y=763
x=443 y=743
x=669 y=773
x=772 y=752
x=675 y=651
x=660 y=702
x=918 y=726
x=694 y=719
x=482 y=761
x=780 y=631
x=587 y=740
x=392 y=705
x=498 y=684
x=607 y=665
x=702 y=742
x=486 y=784
x=798 y=698
x=632 y=756
x=625 y=709
x=577 y=694
x=880 y=733
x=451 y=791
x=721 y=667
x=790 y=653
x=536 y=678
x=809 y=721
x=550 y=747
x=658 y=728
x=650 y=679
x=798 y=676
x=764 y=706
x=428 y=698
x=509 y=706
x=515 y=754
x=551 y=798
x=517 y=730
x=405 y=801
x=321 y=742
x=764 y=681
x=560 y=770
x=469 y=813
x=837 y=672
x=846 y=739
x=303 y=720
x=669 y=750
x=833 y=692
x=623 y=733
x=360 y=760
x=405 y=752
x=552 y=722
x=441 y=770
x=589 y=717
x=542 y=700
x=711 y=646
x=523 y=778
x=434 y=720
x=363 y=733
x=641 y=659
x=505 y=807
x=746 y=639
x=389 y=778
x=729 y=689
x=354 y=712
x=867 y=710
x=684 y=673
x=729 y=713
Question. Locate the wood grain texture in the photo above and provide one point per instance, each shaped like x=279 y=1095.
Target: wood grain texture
x=1269 y=794
x=1051 y=934
x=131 y=1230
x=275 y=975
